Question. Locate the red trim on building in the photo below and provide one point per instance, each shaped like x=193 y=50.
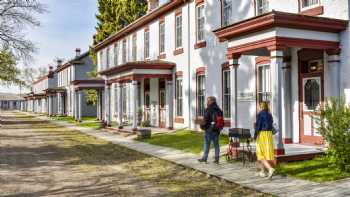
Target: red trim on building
x=262 y=60
x=178 y=11
x=133 y=77
x=155 y=64
x=225 y=66
x=91 y=81
x=279 y=152
x=161 y=19
x=288 y=140
x=200 y=70
x=280 y=19
x=179 y=74
x=199 y=45
x=199 y=2
x=178 y=51
x=316 y=11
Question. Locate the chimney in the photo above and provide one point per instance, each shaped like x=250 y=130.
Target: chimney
x=59 y=62
x=77 y=52
x=152 y=4
x=50 y=69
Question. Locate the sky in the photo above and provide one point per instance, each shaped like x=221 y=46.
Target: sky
x=68 y=24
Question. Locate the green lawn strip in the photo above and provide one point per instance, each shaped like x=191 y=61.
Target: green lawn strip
x=185 y=140
x=89 y=122
x=317 y=169
x=89 y=153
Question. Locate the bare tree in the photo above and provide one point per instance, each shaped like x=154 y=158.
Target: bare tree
x=15 y=16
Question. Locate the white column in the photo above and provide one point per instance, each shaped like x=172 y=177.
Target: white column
x=233 y=82
x=80 y=103
x=50 y=106
x=98 y=105
x=108 y=105
x=286 y=103
x=58 y=103
x=277 y=97
x=334 y=73
x=76 y=104
x=134 y=97
x=169 y=104
x=120 y=105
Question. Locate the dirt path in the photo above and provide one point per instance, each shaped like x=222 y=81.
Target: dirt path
x=38 y=158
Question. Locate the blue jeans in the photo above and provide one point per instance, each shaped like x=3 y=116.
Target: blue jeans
x=208 y=137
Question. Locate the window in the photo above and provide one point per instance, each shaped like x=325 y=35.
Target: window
x=161 y=37
x=107 y=58
x=124 y=52
x=262 y=6
x=226 y=83
x=116 y=51
x=312 y=94
x=308 y=3
x=178 y=31
x=101 y=60
x=264 y=83
x=146 y=44
x=227 y=12
x=200 y=22
x=134 y=47
x=178 y=96
x=200 y=94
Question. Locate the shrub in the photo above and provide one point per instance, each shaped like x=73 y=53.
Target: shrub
x=146 y=123
x=335 y=129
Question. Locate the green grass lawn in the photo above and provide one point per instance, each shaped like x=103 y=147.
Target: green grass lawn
x=189 y=141
x=89 y=122
x=317 y=170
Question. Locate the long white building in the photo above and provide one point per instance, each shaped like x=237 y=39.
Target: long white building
x=292 y=53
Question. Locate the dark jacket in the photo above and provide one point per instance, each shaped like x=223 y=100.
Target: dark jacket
x=264 y=122
x=210 y=113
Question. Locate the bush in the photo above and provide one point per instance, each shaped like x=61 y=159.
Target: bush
x=146 y=123
x=335 y=129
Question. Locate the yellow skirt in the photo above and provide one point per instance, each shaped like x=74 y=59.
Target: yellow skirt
x=264 y=146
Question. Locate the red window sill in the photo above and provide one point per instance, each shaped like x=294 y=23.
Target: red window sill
x=178 y=51
x=313 y=11
x=162 y=56
x=200 y=45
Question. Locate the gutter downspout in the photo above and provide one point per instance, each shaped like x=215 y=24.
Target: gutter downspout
x=189 y=65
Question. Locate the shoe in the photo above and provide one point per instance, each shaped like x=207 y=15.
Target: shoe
x=202 y=160
x=261 y=174
x=216 y=162
x=271 y=173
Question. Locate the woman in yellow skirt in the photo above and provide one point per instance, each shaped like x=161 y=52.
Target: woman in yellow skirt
x=264 y=141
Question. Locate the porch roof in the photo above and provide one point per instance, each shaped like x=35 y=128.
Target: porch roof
x=150 y=65
x=89 y=83
x=280 y=19
x=54 y=90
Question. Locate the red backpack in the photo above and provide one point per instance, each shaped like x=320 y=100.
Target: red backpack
x=219 y=121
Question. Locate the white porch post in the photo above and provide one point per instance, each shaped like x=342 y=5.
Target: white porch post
x=134 y=98
x=50 y=105
x=169 y=103
x=277 y=96
x=80 y=102
x=108 y=104
x=334 y=72
x=76 y=104
x=233 y=82
x=98 y=105
x=59 y=110
x=120 y=105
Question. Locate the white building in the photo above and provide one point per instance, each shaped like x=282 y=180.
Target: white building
x=10 y=101
x=293 y=54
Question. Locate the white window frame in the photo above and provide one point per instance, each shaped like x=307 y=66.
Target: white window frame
x=124 y=51
x=179 y=96
x=108 y=57
x=264 y=88
x=316 y=3
x=226 y=93
x=116 y=53
x=178 y=31
x=200 y=19
x=146 y=44
x=134 y=47
x=200 y=97
x=161 y=38
x=263 y=8
x=227 y=12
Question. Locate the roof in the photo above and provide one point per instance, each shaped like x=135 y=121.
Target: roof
x=152 y=64
x=140 y=22
x=280 y=19
x=75 y=60
x=10 y=97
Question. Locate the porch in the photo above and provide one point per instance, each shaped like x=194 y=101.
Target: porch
x=140 y=94
x=297 y=67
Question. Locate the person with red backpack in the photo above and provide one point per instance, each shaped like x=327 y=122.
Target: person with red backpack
x=212 y=124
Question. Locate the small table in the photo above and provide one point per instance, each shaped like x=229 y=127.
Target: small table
x=245 y=154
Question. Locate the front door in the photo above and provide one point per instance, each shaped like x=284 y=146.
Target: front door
x=312 y=98
x=162 y=110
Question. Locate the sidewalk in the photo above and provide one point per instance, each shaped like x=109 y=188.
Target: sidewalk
x=233 y=172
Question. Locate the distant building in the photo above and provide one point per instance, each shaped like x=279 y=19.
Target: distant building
x=10 y=101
